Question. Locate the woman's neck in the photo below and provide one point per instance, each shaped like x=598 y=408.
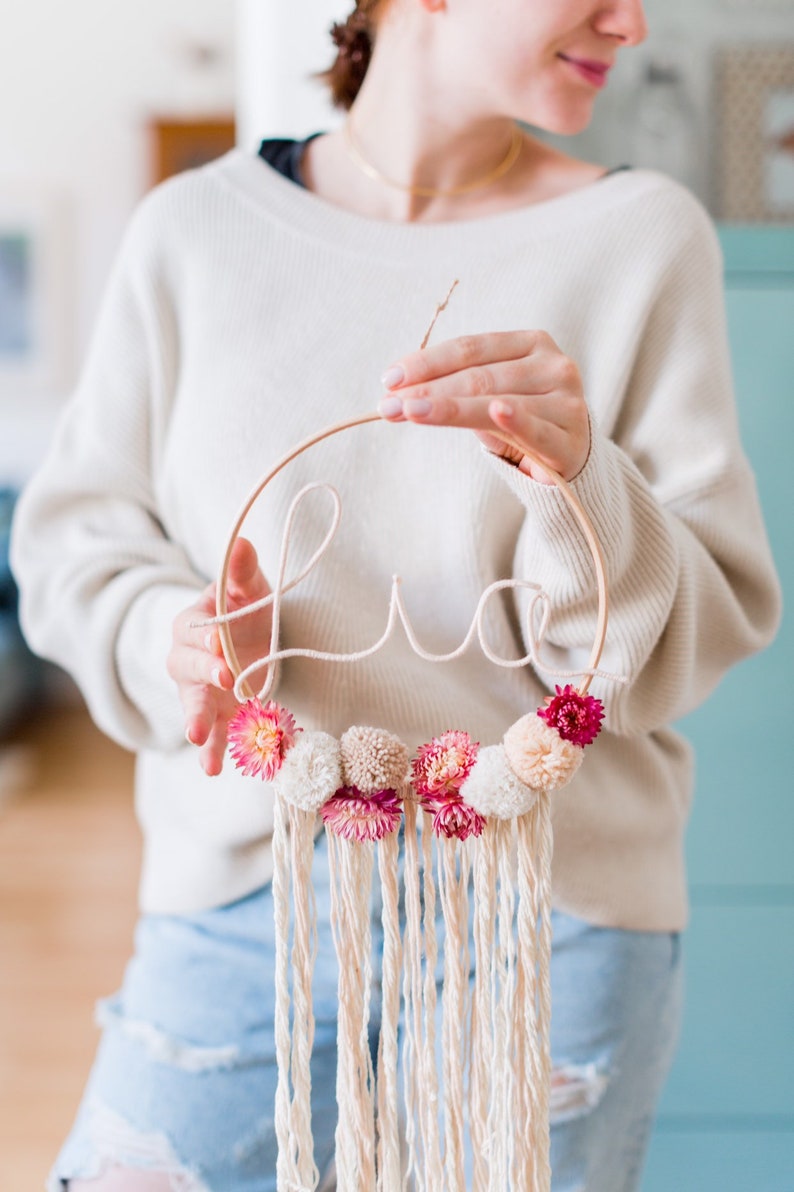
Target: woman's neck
x=414 y=128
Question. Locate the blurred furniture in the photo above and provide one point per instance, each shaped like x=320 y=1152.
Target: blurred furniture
x=727 y=1118
x=182 y=144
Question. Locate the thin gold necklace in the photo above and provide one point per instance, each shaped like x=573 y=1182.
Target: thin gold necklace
x=428 y=192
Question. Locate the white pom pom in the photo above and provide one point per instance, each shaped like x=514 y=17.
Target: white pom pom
x=311 y=771
x=539 y=756
x=493 y=789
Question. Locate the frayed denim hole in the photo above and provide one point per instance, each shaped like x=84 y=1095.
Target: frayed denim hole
x=576 y=1090
x=116 y=1143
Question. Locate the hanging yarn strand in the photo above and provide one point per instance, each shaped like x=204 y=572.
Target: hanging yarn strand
x=351 y=885
x=481 y=1064
x=286 y=1172
x=389 y=1177
x=455 y=910
x=412 y=996
x=477 y=858
x=301 y=838
x=429 y=1105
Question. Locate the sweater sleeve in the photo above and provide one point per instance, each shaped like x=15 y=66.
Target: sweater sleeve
x=100 y=580
x=692 y=584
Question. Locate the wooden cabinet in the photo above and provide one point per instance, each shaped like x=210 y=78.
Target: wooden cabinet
x=727 y=1118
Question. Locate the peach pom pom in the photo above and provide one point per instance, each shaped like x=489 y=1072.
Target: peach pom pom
x=539 y=756
x=311 y=772
x=494 y=790
x=374 y=760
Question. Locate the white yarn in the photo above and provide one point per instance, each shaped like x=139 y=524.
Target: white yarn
x=351 y=865
x=412 y=995
x=389 y=1179
x=493 y=789
x=481 y=1071
x=286 y=1169
x=537 y=616
x=527 y=1051
x=311 y=771
x=304 y=952
x=453 y=887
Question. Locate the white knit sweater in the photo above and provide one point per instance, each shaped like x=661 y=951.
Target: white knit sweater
x=245 y=313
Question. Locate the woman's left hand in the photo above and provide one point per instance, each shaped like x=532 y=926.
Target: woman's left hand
x=517 y=382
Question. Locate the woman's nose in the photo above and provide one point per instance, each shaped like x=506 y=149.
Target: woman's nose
x=622 y=19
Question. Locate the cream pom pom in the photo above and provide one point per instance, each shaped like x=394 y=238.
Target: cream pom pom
x=374 y=760
x=539 y=756
x=492 y=788
x=311 y=771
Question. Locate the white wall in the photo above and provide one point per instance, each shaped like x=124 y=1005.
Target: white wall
x=77 y=82
x=281 y=44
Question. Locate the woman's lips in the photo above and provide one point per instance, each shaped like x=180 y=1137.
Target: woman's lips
x=594 y=72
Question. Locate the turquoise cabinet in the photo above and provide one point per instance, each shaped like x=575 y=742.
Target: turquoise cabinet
x=727 y=1117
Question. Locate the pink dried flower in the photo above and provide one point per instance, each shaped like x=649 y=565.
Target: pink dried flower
x=440 y=768
x=360 y=817
x=259 y=736
x=454 y=818
x=576 y=717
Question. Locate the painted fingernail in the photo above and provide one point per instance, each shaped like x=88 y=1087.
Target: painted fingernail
x=418 y=406
x=188 y=737
x=208 y=642
x=502 y=409
x=390 y=406
x=393 y=377
x=216 y=676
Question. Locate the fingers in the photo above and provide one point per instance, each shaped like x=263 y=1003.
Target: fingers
x=465 y=352
x=245 y=582
x=196 y=661
x=212 y=753
x=516 y=382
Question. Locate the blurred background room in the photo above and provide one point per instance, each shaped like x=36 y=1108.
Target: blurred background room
x=99 y=102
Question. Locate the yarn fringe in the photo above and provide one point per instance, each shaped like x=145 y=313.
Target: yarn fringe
x=473 y=1100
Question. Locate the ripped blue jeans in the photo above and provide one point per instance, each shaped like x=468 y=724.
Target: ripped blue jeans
x=184 y=1080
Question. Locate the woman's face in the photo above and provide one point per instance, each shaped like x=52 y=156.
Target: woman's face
x=540 y=61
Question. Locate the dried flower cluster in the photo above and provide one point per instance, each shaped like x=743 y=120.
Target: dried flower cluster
x=357 y=784
x=439 y=770
x=576 y=717
x=259 y=736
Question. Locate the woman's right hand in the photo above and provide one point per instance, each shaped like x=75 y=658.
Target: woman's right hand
x=196 y=662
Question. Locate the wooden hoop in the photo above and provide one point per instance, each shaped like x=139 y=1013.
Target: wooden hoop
x=578 y=510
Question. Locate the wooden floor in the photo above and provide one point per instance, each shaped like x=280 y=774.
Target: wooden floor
x=69 y=856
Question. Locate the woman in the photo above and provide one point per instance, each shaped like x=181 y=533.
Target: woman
x=257 y=301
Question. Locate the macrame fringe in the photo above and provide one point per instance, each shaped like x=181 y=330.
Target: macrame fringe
x=293 y=849
x=475 y=1099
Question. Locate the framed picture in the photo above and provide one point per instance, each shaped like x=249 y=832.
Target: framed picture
x=34 y=309
x=755 y=158
x=178 y=145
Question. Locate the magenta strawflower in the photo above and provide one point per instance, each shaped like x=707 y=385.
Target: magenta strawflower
x=357 y=816
x=441 y=766
x=577 y=718
x=454 y=818
x=259 y=736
